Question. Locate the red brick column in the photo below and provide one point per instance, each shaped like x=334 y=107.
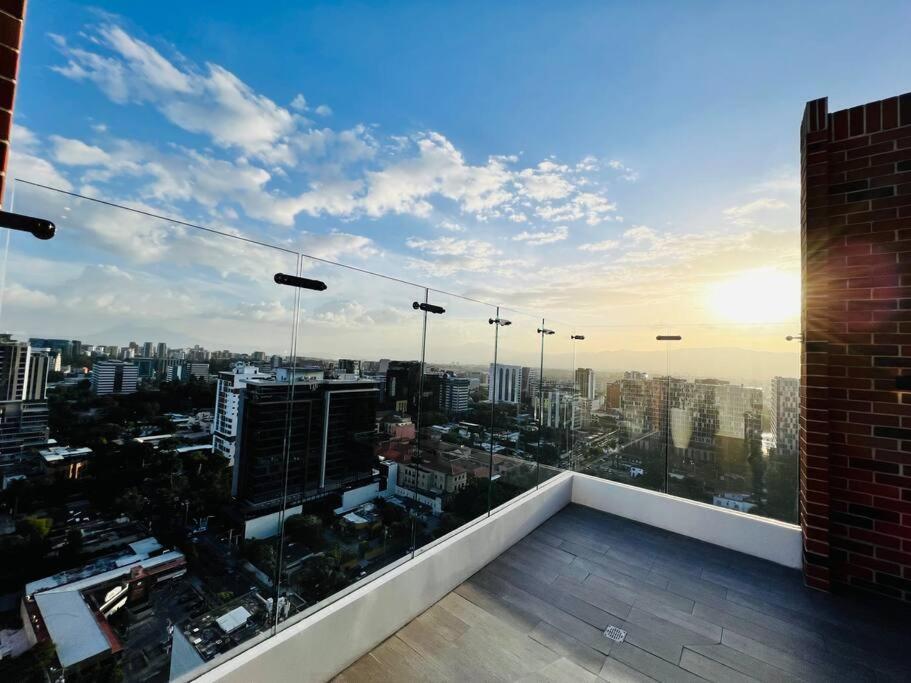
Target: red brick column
x=855 y=408
x=12 y=19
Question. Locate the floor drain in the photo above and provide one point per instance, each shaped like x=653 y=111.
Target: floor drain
x=618 y=635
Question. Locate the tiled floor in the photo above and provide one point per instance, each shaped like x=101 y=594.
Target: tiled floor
x=691 y=611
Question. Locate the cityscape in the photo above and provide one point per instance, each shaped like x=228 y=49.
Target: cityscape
x=457 y=342
x=183 y=501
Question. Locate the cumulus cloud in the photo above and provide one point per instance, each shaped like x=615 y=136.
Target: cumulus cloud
x=540 y=237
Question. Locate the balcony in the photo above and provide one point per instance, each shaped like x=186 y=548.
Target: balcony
x=688 y=609
x=336 y=452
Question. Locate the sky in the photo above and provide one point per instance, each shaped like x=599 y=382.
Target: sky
x=612 y=167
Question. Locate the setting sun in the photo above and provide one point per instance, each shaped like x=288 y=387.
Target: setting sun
x=756 y=296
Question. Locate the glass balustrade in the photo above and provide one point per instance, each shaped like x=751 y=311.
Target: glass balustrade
x=257 y=431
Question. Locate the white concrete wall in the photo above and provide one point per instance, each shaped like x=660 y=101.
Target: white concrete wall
x=318 y=647
x=269 y=525
x=769 y=539
x=355 y=497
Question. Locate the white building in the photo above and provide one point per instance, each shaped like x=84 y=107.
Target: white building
x=231 y=384
x=560 y=409
x=585 y=382
x=454 y=394
x=504 y=383
x=784 y=414
x=114 y=377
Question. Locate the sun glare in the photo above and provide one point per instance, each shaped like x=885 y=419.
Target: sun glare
x=756 y=296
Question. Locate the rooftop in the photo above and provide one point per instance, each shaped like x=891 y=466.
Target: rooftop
x=690 y=611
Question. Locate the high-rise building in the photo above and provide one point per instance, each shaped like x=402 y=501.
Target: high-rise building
x=23 y=409
x=114 y=377
x=162 y=351
x=64 y=346
x=145 y=367
x=76 y=348
x=784 y=413
x=403 y=380
x=454 y=394
x=585 y=382
x=346 y=366
x=148 y=348
x=14 y=372
x=504 y=383
x=39 y=365
x=294 y=445
x=231 y=384
x=560 y=409
x=23 y=425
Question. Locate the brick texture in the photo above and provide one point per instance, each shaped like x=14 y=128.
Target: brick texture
x=12 y=19
x=855 y=402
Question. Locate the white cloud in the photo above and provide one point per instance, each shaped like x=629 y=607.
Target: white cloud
x=450 y=255
x=640 y=233
x=603 y=245
x=323 y=110
x=71 y=152
x=744 y=213
x=545 y=182
x=212 y=100
x=438 y=169
x=538 y=238
x=451 y=226
x=299 y=103
x=16 y=295
x=626 y=173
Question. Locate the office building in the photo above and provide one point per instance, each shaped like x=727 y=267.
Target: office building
x=403 y=380
x=162 y=351
x=454 y=394
x=148 y=348
x=64 y=346
x=23 y=426
x=146 y=367
x=559 y=409
x=230 y=385
x=295 y=445
x=14 y=372
x=585 y=382
x=784 y=399
x=346 y=366
x=504 y=383
x=39 y=364
x=114 y=377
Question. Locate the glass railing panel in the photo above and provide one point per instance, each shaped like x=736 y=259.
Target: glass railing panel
x=513 y=383
x=133 y=345
x=452 y=470
x=351 y=510
x=560 y=402
x=733 y=417
x=622 y=436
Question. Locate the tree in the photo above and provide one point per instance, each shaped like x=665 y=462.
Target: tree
x=306 y=529
x=38 y=526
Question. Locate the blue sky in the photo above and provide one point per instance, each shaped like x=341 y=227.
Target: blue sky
x=620 y=163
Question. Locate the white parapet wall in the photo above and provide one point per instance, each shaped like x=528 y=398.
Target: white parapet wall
x=326 y=642
x=762 y=537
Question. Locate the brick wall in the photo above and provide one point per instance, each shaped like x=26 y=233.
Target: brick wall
x=12 y=17
x=855 y=408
